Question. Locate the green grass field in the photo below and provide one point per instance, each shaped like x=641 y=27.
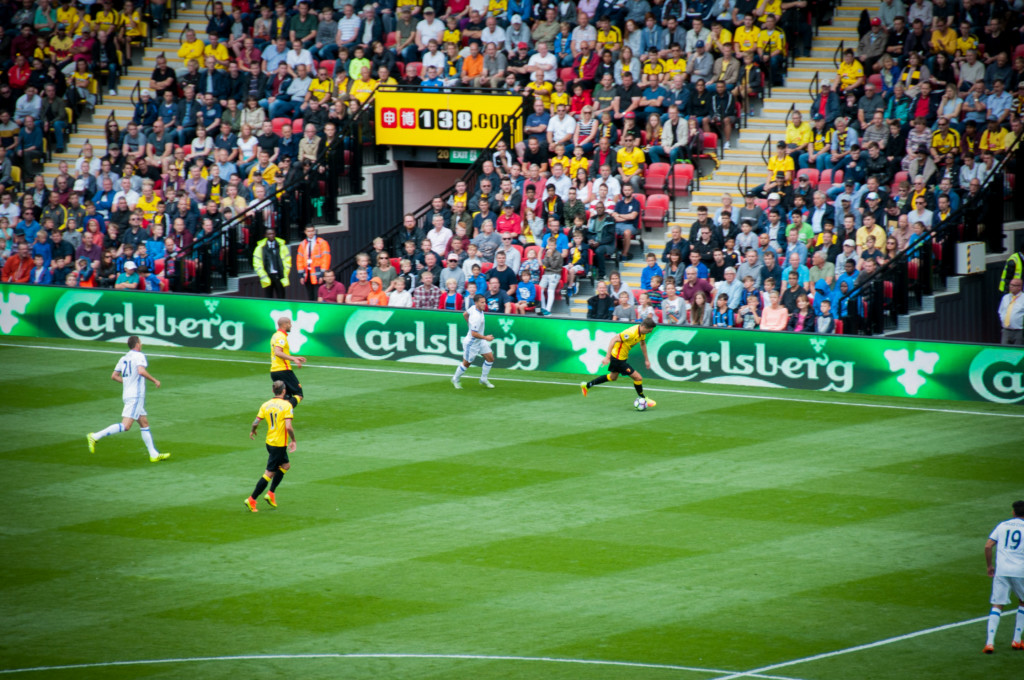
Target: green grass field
x=725 y=531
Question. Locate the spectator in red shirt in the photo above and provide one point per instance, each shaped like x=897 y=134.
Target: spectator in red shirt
x=359 y=292
x=18 y=268
x=331 y=290
x=509 y=222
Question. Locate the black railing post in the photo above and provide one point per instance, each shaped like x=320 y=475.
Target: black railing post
x=231 y=253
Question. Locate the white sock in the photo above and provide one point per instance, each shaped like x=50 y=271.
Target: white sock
x=147 y=439
x=116 y=428
x=993 y=625
x=460 y=370
x=486 y=370
x=549 y=298
x=1019 y=627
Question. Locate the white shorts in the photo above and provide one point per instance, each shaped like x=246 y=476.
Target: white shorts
x=1002 y=585
x=134 y=408
x=474 y=347
x=577 y=268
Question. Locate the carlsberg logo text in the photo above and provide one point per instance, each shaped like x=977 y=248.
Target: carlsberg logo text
x=371 y=334
x=76 y=315
x=758 y=368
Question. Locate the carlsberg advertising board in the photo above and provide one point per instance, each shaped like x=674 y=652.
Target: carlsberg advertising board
x=930 y=370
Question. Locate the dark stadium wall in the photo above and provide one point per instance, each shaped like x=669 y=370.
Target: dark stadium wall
x=967 y=316
x=366 y=220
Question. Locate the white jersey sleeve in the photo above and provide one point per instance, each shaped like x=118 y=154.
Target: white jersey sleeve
x=1009 y=539
x=132 y=382
x=476 y=322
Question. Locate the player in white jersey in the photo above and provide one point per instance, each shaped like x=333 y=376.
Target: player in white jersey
x=475 y=344
x=1007 y=574
x=132 y=374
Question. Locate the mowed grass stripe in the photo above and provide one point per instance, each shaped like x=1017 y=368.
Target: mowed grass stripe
x=696 y=531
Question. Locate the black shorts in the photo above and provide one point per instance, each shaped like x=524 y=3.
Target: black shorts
x=620 y=366
x=292 y=386
x=276 y=456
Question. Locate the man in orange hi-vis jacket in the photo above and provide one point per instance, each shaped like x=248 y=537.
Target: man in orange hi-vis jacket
x=312 y=260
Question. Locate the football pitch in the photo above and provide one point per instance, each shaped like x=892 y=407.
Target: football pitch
x=520 y=532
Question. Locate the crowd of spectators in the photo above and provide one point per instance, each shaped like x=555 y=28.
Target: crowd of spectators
x=916 y=120
x=221 y=130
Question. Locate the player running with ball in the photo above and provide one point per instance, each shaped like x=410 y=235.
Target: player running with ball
x=618 y=356
x=475 y=343
x=132 y=374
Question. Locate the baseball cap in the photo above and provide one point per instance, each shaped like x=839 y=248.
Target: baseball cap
x=507 y=204
x=817 y=116
x=147 y=93
x=516 y=19
x=803 y=178
x=849 y=183
x=876 y=22
x=523 y=46
x=773 y=196
x=850 y=242
x=428 y=10
x=80 y=185
x=629 y=115
x=872 y=196
x=700 y=43
x=130 y=264
x=924 y=149
x=751 y=194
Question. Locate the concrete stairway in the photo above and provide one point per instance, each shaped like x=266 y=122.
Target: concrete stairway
x=746 y=145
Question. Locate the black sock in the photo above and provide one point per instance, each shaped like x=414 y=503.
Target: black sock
x=638 y=385
x=278 y=476
x=597 y=381
x=260 y=486
x=292 y=400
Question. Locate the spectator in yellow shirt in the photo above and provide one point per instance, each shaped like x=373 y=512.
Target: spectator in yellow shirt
x=191 y=49
x=943 y=38
x=218 y=51
x=850 y=75
x=632 y=162
x=800 y=134
x=746 y=35
x=993 y=139
x=771 y=48
x=781 y=169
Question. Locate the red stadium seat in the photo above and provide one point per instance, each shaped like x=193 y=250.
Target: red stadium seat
x=329 y=65
x=158 y=266
x=396 y=262
x=536 y=249
x=900 y=177
x=418 y=65
x=810 y=173
x=279 y=124
x=656 y=178
x=297 y=126
x=642 y=200
x=567 y=74
x=681 y=178
x=876 y=80
x=1018 y=51
x=839 y=327
x=710 y=142
x=486 y=267
x=655 y=214
x=392 y=39
x=912 y=270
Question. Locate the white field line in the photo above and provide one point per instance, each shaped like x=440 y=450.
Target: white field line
x=729 y=395
x=849 y=650
x=455 y=657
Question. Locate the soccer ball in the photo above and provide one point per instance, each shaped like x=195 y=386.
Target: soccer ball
x=640 y=404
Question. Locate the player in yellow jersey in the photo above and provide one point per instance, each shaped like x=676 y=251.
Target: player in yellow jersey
x=281 y=360
x=278 y=412
x=618 y=356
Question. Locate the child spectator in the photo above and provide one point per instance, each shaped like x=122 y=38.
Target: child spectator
x=526 y=293
x=722 y=316
x=673 y=307
x=654 y=294
x=377 y=296
x=624 y=310
x=400 y=297
x=451 y=299
x=532 y=265
x=645 y=309
x=825 y=323
x=750 y=313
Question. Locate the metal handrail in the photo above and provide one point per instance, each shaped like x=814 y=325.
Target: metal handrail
x=814 y=86
x=837 y=55
x=181 y=36
x=742 y=181
x=792 y=108
x=765 y=149
x=208 y=10
x=133 y=96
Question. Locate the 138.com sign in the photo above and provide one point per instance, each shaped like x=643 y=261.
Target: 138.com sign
x=438 y=119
